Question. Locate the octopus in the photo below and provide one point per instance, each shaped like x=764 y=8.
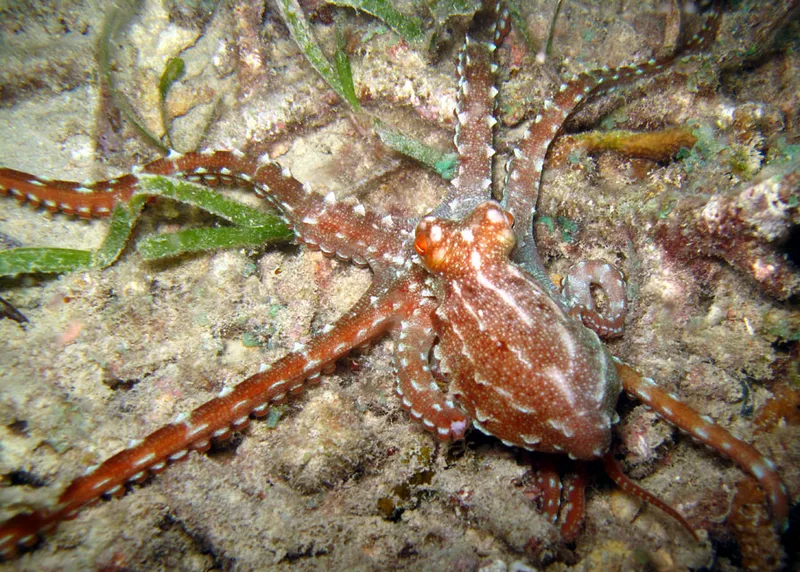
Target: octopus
x=482 y=339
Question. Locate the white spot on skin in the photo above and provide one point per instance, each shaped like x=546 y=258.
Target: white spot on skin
x=101 y=484
x=144 y=460
x=475 y=260
x=311 y=365
x=193 y=431
x=495 y=216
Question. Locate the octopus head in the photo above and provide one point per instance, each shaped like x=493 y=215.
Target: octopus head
x=449 y=247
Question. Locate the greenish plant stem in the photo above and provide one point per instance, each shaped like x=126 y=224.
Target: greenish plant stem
x=292 y=14
x=549 y=46
x=345 y=73
x=251 y=228
x=203 y=239
x=43 y=260
x=123 y=219
x=205 y=199
x=443 y=163
x=173 y=71
x=409 y=28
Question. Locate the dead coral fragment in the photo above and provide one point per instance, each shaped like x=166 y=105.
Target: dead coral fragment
x=746 y=228
x=659 y=146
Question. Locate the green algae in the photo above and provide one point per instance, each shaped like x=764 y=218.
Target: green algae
x=250 y=228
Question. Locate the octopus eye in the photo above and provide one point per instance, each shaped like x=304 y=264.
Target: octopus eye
x=421 y=243
x=510 y=219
